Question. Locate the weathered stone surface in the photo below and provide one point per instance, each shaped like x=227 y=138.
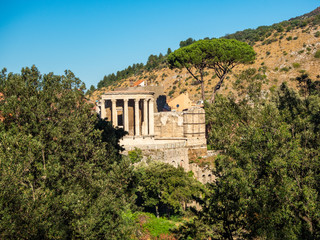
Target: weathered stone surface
x=168 y=125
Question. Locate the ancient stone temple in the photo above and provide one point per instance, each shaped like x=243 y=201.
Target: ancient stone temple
x=131 y=110
x=176 y=138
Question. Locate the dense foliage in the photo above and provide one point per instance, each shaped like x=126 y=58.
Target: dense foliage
x=268 y=169
x=61 y=173
x=165 y=190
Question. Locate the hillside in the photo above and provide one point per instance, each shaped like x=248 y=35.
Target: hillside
x=284 y=50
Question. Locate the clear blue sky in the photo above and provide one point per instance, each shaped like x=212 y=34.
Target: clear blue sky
x=96 y=38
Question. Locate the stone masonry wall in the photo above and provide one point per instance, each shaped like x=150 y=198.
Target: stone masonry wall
x=168 y=125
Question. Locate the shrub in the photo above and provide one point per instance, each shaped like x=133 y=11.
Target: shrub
x=171 y=93
x=284 y=69
x=183 y=90
x=317 y=54
x=317 y=34
x=295 y=65
x=289 y=38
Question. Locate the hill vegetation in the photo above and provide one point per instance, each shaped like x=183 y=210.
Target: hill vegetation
x=284 y=51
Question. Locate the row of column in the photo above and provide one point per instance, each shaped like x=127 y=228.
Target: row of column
x=148 y=119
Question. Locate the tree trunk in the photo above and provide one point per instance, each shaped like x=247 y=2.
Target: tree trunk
x=217 y=87
x=157 y=211
x=202 y=91
x=202 y=86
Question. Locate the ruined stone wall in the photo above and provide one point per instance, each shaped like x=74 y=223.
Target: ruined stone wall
x=202 y=174
x=168 y=125
x=188 y=124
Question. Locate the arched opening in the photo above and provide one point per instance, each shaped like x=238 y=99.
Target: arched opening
x=173 y=163
x=181 y=163
x=203 y=178
x=209 y=178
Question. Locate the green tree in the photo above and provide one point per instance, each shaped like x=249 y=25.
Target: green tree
x=192 y=57
x=62 y=176
x=91 y=90
x=267 y=178
x=165 y=189
x=221 y=55
x=224 y=55
x=267 y=185
x=186 y=42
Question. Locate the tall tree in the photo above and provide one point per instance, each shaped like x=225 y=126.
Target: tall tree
x=61 y=173
x=221 y=55
x=194 y=58
x=224 y=55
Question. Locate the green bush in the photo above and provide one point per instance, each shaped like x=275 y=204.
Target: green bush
x=171 y=93
x=317 y=54
x=295 y=65
x=284 y=69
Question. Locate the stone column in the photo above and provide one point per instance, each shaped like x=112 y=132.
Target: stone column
x=151 y=117
x=103 y=109
x=145 y=117
x=114 y=113
x=126 y=115
x=136 y=116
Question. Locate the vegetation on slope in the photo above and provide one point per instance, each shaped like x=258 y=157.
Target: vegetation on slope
x=261 y=33
x=264 y=34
